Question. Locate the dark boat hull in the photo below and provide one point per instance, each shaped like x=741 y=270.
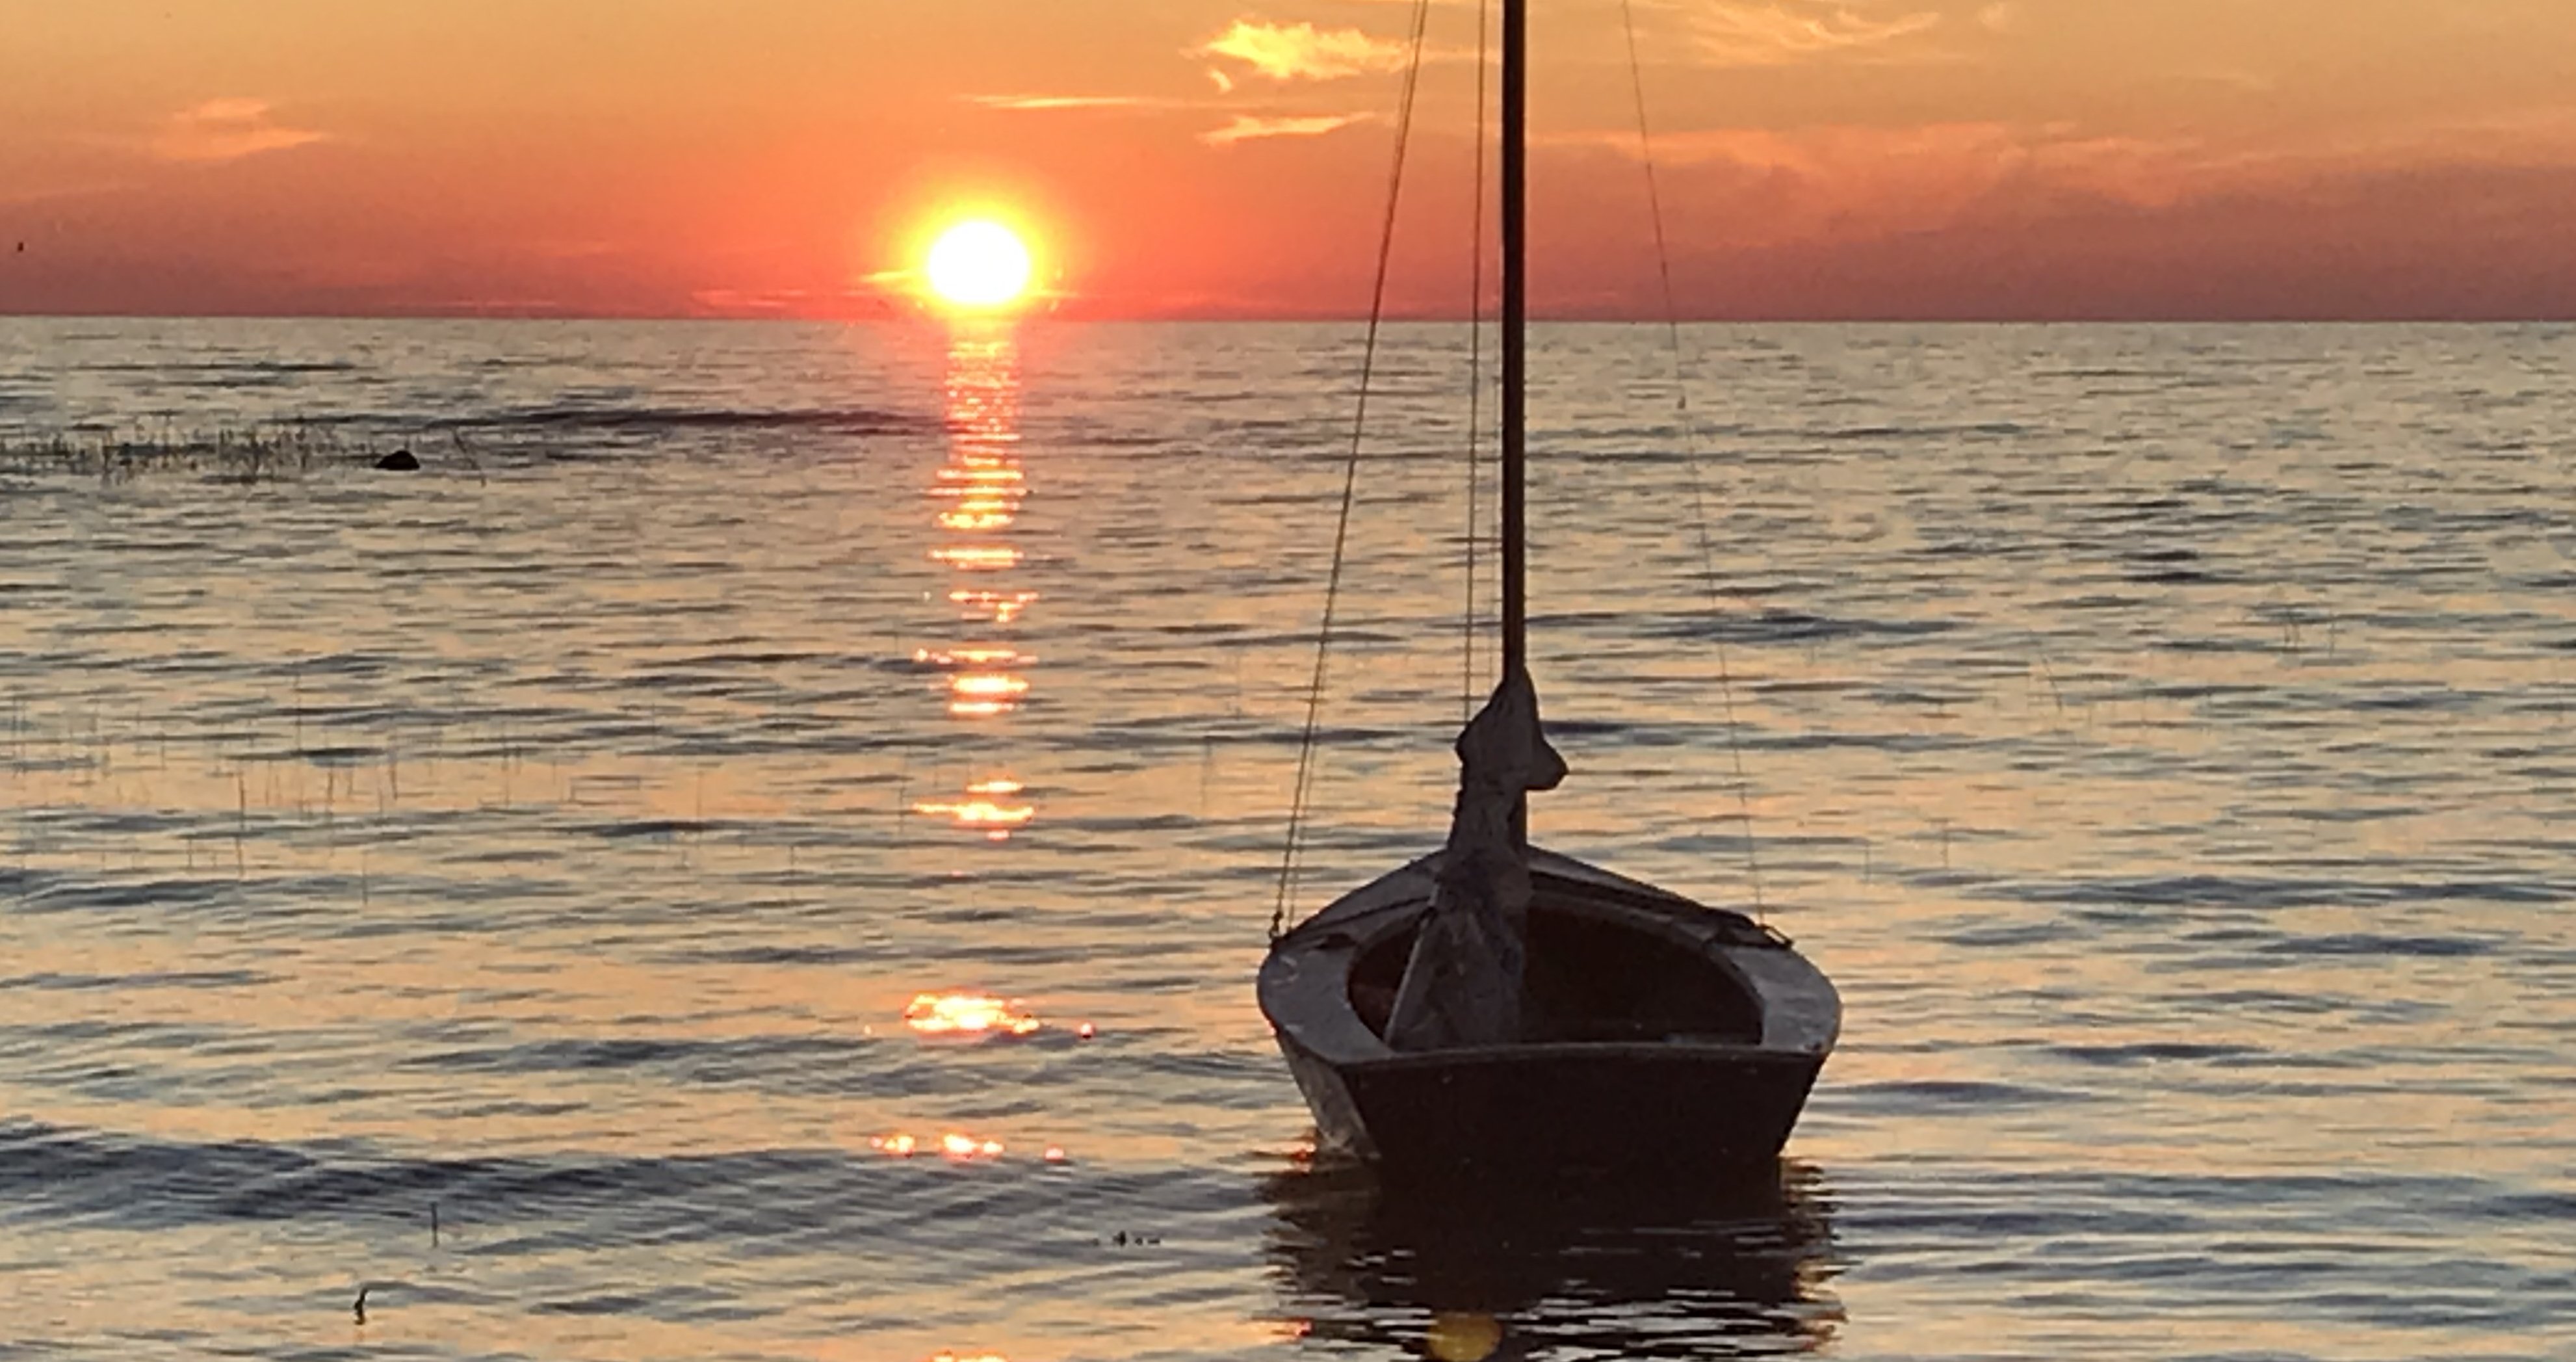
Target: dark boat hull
x=1614 y=1111
x=1724 y=1029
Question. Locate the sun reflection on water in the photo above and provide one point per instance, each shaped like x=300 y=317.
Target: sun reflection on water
x=996 y=607
x=976 y=1014
x=956 y=1146
x=981 y=695
x=988 y=808
x=978 y=514
x=1463 y=1336
x=980 y=490
x=977 y=557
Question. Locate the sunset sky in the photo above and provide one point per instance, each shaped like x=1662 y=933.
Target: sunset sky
x=1184 y=158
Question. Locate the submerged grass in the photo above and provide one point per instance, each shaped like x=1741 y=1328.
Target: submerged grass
x=254 y=454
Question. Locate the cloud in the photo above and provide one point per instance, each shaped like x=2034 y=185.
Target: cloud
x=227 y=130
x=1797 y=30
x=1304 y=52
x=1763 y=187
x=1043 y=103
x=1810 y=187
x=1247 y=129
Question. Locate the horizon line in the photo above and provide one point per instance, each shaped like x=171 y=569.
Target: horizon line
x=1257 y=318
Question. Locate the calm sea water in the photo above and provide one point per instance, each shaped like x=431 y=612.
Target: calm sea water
x=2161 y=735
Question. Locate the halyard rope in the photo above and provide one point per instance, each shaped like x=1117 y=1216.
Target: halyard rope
x=1297 y=807
x=1690 y=436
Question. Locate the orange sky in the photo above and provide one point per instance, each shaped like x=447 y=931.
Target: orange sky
x=1853 y=158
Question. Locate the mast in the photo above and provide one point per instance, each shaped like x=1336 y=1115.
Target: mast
x=1515 y=216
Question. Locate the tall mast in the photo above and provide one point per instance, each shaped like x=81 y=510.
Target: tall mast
x=1515 y=319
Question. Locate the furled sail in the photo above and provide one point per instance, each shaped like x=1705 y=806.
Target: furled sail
x=1462 y=985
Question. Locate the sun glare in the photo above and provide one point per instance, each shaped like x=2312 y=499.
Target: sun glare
x=979 y=264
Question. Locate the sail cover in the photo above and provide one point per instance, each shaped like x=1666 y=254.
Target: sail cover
x=1462 y=985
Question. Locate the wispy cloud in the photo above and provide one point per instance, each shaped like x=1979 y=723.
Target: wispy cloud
x=228 y=130
x=1778 y=34
x=1043 y=103
x=1302 y=51
x=1245 y=129
x=1767 y=186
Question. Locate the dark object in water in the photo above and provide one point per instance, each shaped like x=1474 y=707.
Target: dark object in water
x=1497 y=1014
x=1660 y=1036
x=359 y=1308
x=400 y=461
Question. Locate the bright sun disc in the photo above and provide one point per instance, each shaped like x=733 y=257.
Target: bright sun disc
x=978 y=264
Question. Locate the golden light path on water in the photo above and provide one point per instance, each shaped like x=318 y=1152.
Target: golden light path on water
x=979 y=492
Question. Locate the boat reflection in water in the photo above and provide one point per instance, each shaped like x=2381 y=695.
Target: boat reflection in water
x=1740 y=1271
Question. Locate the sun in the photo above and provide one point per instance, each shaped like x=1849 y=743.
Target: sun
x=978 y=263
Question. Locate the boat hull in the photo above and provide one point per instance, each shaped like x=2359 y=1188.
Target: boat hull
x=1617 y=1111
x=1723 y=1030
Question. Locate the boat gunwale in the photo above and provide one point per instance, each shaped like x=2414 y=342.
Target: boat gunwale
x=1680 y=1050
x=1309 y=969
x=1554 y=877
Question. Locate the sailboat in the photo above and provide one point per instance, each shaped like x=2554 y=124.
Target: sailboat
x=1495 y=1010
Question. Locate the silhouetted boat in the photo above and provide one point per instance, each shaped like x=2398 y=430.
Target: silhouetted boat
x=1494 y=1009
x=1659 y=1035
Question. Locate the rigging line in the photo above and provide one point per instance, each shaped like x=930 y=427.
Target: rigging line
x=1350 y=482
x=1690 y=437
x=1475 y=371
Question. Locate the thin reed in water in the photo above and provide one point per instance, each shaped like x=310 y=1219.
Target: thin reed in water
x=255 y=454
